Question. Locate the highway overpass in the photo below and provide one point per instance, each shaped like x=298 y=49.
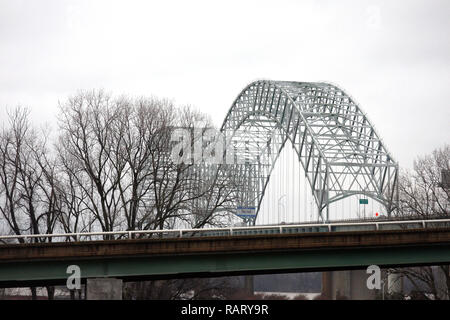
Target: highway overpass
x=253 y=250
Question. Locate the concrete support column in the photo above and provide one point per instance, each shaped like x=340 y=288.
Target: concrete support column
x=349 y=284
x=326 y=285
x=104 y=289
x=358 y=286
x=395 y=283
x=340 y=285
x=248 y=285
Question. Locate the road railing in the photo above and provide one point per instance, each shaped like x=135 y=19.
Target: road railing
x=230 y=231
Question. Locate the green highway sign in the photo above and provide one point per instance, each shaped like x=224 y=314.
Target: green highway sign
x=363 y=201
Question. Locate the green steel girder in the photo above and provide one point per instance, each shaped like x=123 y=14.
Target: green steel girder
x=13 y=274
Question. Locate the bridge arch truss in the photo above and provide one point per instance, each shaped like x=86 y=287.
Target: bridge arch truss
x=338 y=147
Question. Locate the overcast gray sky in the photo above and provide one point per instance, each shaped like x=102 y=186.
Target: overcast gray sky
x=393 y=57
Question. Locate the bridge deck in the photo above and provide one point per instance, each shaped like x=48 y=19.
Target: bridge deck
x=222 y=255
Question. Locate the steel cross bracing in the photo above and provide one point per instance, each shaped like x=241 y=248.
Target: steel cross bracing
x=338 y=147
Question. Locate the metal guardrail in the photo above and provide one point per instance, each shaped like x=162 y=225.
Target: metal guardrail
x=233 y=231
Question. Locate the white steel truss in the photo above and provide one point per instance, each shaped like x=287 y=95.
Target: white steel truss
x=338 y=147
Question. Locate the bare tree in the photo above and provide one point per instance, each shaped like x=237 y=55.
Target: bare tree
x=422 y=193
x=12 y=140
x=27 y=178
x=194 y=191
x=86 y=125
x=27 y=181
x=185 y=289
x=114 y=155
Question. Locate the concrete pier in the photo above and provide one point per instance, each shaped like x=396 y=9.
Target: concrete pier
x=348 y=284
x=104 y=289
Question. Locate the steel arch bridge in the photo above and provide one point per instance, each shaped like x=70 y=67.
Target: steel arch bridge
x=338 y=147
